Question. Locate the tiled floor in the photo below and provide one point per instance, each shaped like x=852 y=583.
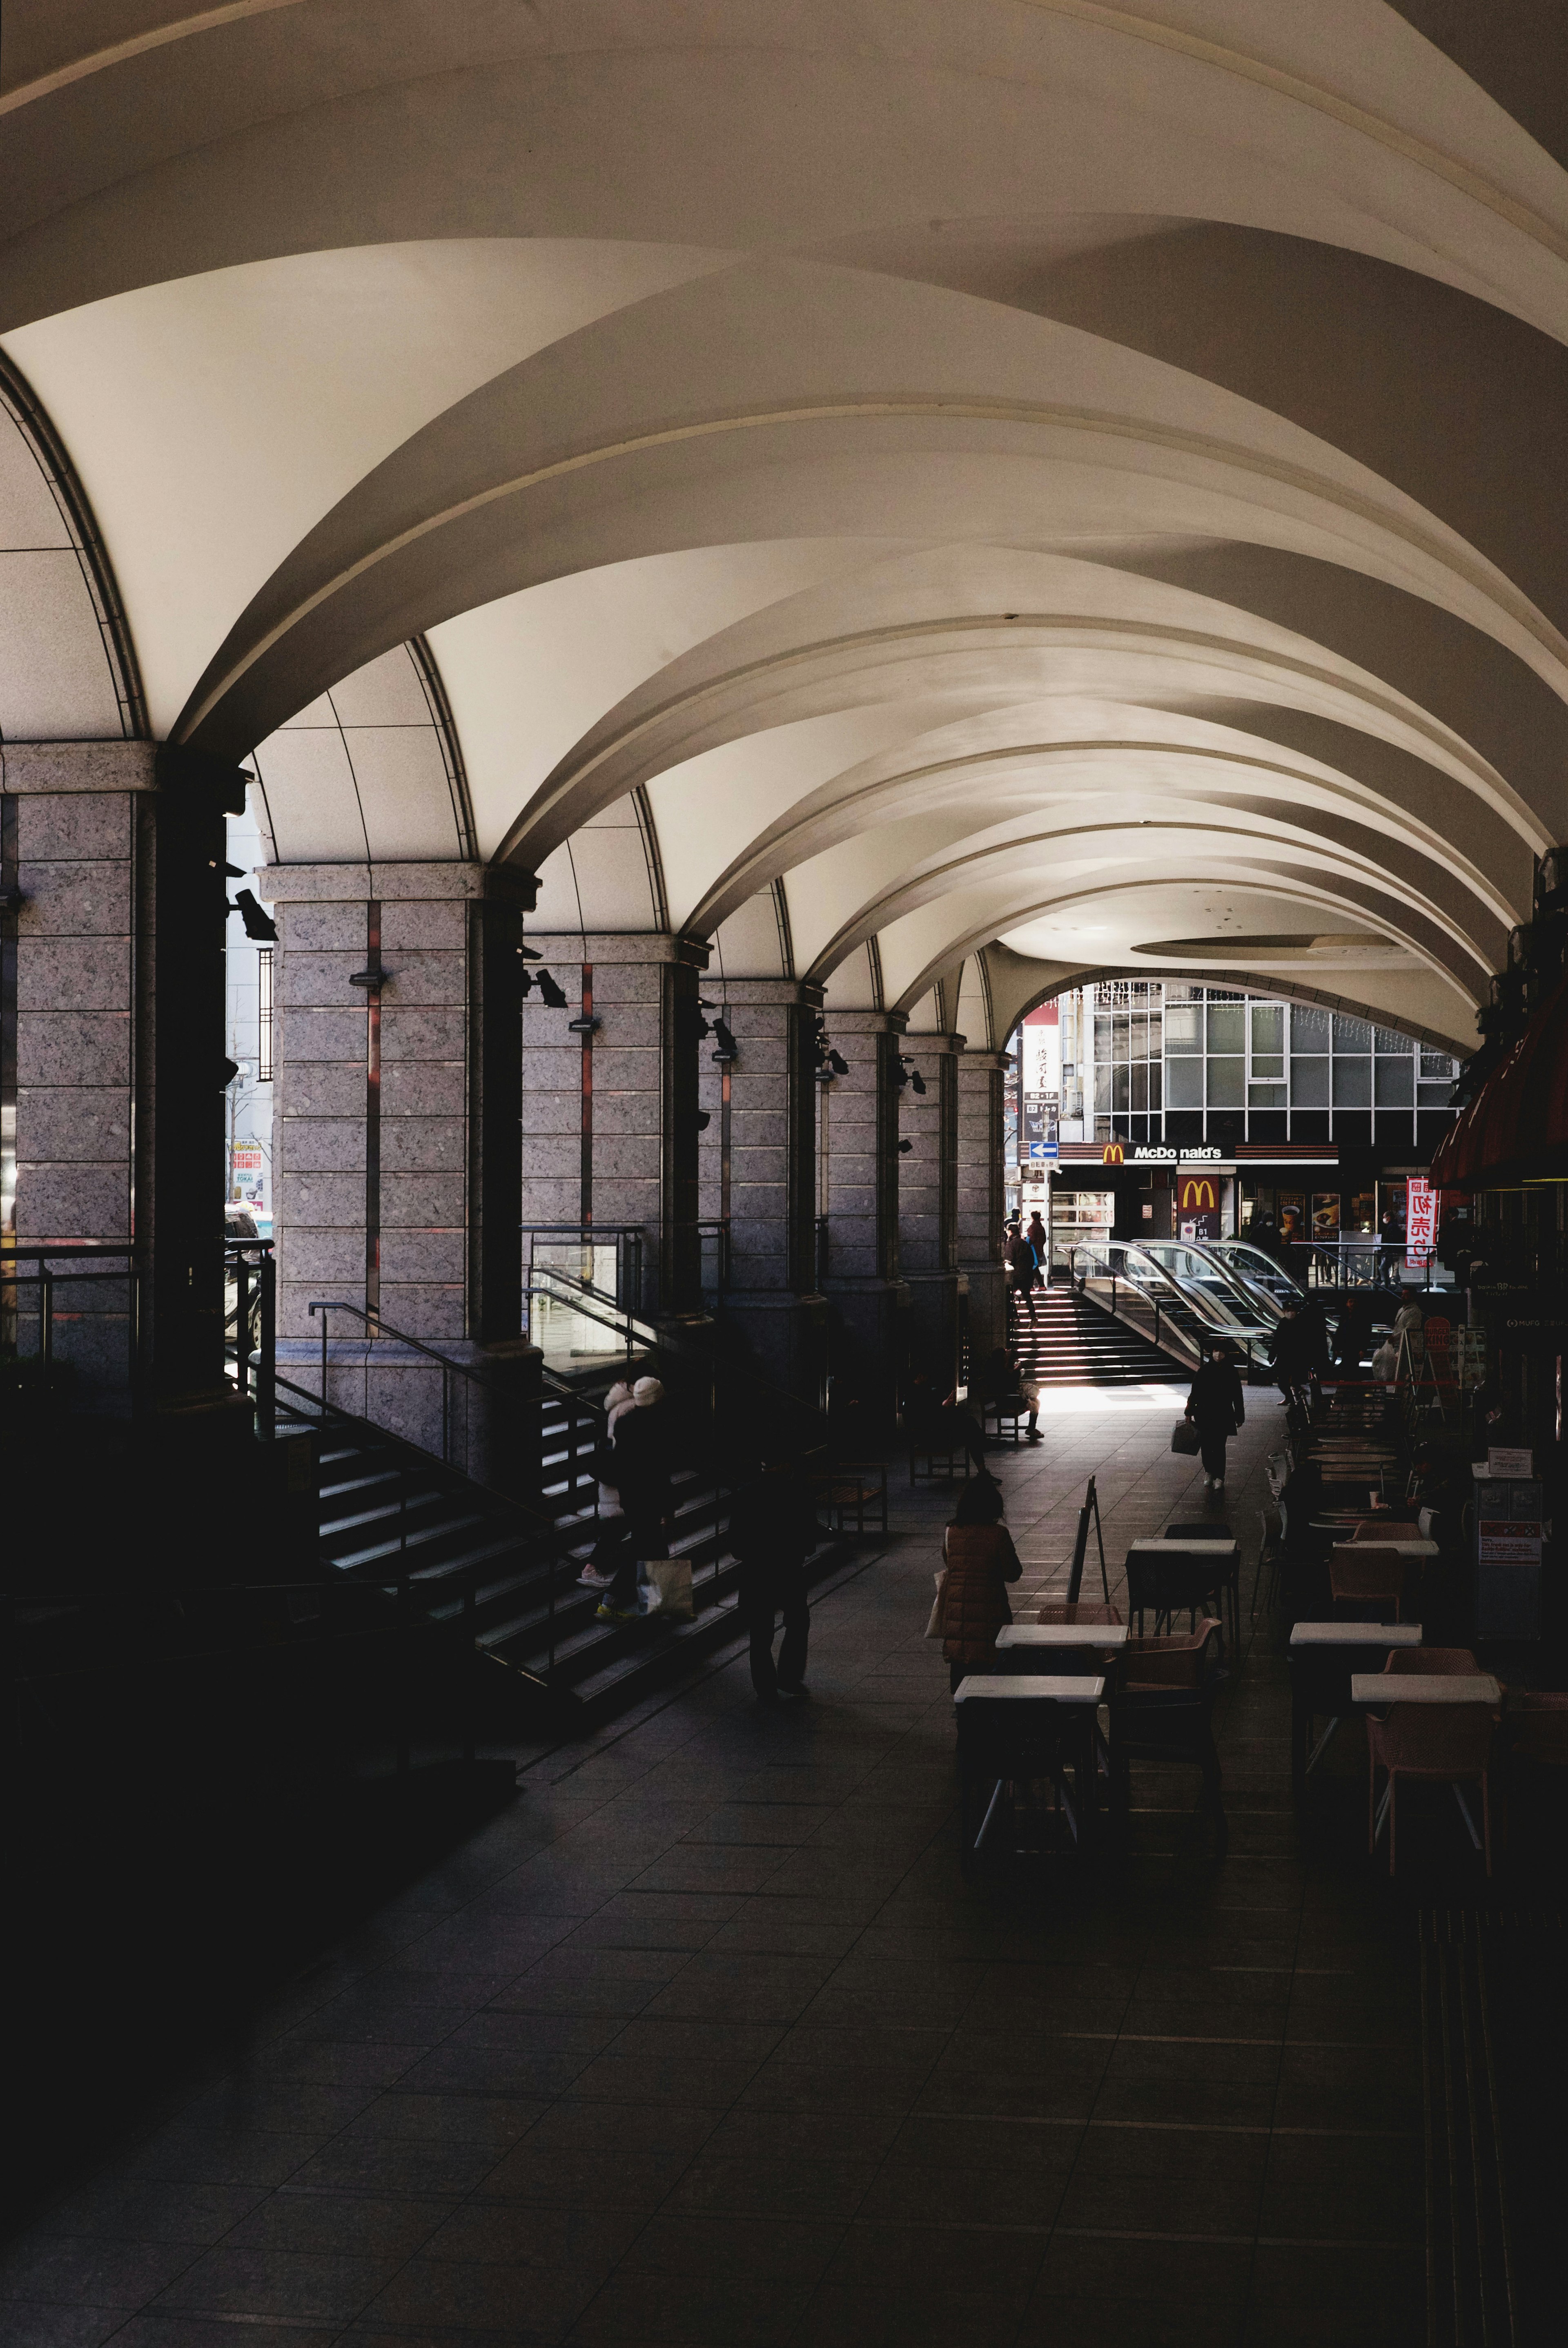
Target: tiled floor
x=707 y=2041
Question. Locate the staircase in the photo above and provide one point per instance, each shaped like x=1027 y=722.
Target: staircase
x=387 y=1507
x=1072 y=1342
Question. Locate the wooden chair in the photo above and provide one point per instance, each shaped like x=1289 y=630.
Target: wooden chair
x=932 y=1474
x=1162 y=1712
x=1367 y=1580
x=857 y=1485
x=1012 y=1417
x=1443 y=1744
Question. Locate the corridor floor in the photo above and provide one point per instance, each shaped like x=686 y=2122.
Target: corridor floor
x=707 y=2041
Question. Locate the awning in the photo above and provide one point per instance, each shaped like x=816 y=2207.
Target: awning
x=1518 y=1122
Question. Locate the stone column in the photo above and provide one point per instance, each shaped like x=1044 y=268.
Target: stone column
x=113 y=1067
x=928 y=1201
x=980 y=1076
x=757 y=1175
x=395 y=1149
x=858 y=1172
x=609 y=1110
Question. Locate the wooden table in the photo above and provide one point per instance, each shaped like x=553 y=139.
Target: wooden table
x=1323 y=1657
x=1017 y=1727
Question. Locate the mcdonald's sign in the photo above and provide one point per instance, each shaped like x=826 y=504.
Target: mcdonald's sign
x=1199 y=1194
x=1113 y=1154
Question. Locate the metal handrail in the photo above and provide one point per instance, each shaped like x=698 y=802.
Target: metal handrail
x=1232 y=1278
x=633 y=1332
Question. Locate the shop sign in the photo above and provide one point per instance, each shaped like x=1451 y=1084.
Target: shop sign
x=1420 y=1220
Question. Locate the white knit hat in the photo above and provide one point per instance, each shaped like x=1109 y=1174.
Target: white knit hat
x=647 y=1390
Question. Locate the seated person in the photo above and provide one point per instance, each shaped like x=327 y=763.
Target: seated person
x=997 y=1383
x=937 y=1424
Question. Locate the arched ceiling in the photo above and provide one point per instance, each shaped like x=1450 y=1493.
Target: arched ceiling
x=880 y=488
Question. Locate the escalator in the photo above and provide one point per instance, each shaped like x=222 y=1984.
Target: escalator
x=1180 y=1306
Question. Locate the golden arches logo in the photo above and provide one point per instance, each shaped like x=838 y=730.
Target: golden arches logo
x=1198 y=1193
x=1113 y=1154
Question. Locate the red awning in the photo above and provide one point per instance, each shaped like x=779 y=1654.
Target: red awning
x=1518 y=1122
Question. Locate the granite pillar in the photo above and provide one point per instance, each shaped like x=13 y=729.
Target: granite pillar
x=112 y=1063
x=979 y=1212
x=757 y=1158
x=397 y=1177
x=857 y=1195
x=610 y=1132
x=928 y=1203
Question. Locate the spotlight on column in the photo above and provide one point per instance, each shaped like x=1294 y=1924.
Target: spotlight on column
x=839 y=1065
x=550 y=991
x=702 y=1120
x=904 y=1148
x=258 y=924
x=235 y=871
x=531 y=954
x=230 y=1070
x=917 y=1080
x=728 y=1049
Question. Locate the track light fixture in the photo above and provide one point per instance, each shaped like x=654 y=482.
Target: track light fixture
x=258 y=924
x=728 y=1049
x=702 y=1120
x=904 y=1148
x=550 y=991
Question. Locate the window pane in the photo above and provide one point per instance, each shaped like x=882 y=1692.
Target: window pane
x=1308 y=1082
x=1182 y=1030
x=1225 y=1089
x=1433 y=1096
x=1118 y=1034
x=1438 y=1064
x=1184 y=1083
x=1139 y=1073
x=1308 y=1028
x=1396 y=1081
x=1390 y=1040
x=1226 y=1026
x=1268 y=1063
x=1119 y=1088
x=1268 y=1027
x=1352 y=1035
x=1265 y=1097
x=1352 y=1082
x=1154 y=1043
x=1155 y=1072
x=1102 y=1090
x=1102 y=1034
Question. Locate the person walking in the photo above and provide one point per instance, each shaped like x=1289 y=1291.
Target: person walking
x=1021 y=1269
x=981 y=1562
x=640 y=1449
x=1216 y=1408
x=773 y=1530
x=1039 y=1239
x=599 y=1572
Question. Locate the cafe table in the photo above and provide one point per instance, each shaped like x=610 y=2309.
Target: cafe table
x=1323 y=1657
x=1026 y=1726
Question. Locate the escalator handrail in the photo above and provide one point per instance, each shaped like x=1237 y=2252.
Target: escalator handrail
x=1248 y=1337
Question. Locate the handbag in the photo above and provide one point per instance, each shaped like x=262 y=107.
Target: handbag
x=933 y=1627
x=1185 y=1438
x=667 y=1583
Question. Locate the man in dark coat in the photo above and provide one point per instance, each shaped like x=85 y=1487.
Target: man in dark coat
x=1297 y=1354
x=641 y=1448
x=1216 y=1408
x=1021 y=1268
x=772 y=1532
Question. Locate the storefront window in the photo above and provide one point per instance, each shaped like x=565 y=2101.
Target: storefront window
x=1396 y=1082
x=1352 y=1082
x=1227 y=1026
x=1184 y=1084
x=1309 y=1084
x=1363 y=1211
x=1324 y=1216
x=1183 y=1027
x=1225 y=1083
x=1292 y=1214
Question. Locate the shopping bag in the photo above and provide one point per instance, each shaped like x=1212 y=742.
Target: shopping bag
x=933 y=1628
x=1185 y=1438
x=667 y=1581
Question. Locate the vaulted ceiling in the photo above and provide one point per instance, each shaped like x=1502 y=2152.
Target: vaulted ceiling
x=1019 y=486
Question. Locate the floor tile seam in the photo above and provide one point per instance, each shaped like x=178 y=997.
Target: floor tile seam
x=1273 y=2116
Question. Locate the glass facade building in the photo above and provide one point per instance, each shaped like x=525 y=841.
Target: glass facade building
x=1163 y=1062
